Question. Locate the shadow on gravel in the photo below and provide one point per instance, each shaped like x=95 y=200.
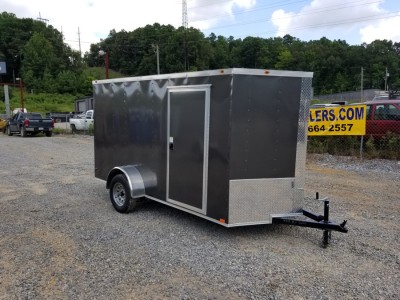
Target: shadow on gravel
x=181 y=218
x=29 y=136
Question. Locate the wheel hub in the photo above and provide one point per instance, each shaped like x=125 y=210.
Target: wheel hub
x=119 y=194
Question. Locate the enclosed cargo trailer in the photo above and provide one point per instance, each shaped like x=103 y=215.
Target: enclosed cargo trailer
x=226 y=145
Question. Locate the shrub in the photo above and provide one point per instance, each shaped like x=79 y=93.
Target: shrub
x=91 y=129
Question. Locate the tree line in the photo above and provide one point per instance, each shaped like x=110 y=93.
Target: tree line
x=37 y=53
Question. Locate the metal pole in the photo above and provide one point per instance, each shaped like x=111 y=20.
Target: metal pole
x=7 y=101
x=362 y=84
x=362 y=100
x=386 y=76
x=22 y=95
x=106 y=63
x=158 y=60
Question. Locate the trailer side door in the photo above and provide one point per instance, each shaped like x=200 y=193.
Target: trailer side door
x=187 y=158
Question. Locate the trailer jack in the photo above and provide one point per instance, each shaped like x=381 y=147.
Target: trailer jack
x=317 y=221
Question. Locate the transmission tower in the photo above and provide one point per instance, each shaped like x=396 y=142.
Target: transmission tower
x=45 y=21
x=184 y=14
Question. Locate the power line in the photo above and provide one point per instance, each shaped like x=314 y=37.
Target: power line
x=313 y=11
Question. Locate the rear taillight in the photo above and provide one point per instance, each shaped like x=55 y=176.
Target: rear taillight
x=26 y=123
x=52 y=122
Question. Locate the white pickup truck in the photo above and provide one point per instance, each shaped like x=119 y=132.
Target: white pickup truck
x=82 y=122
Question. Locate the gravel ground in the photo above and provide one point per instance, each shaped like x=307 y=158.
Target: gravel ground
x=60 y=237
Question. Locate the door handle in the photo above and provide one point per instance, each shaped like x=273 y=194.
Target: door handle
x=171 y=143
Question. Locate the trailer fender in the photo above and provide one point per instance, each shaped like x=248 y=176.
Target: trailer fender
x=139 y=178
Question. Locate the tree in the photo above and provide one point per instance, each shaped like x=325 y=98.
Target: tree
x=38 y=62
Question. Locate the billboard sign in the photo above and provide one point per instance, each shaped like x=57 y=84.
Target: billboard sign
x=3 y=69
x=341 y=120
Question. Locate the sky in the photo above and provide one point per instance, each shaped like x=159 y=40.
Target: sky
x=355 y=21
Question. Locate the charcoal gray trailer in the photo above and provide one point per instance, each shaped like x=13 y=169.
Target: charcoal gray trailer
x=226 y=145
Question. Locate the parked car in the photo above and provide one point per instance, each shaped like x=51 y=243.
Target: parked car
x=324 y=105
x=392 y=95
x=29 y=123
x=383 y=116
x=3 y=122
x=82 y=122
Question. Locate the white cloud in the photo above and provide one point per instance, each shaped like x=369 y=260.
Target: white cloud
x=204 y=14
x=95 y=18
x=331 y=18
x=384 y=29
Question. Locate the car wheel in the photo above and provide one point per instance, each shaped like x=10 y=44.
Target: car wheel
x=73 y=128
x=49 y=133
x=23 y=131
x=120 y=195
x=9 y=133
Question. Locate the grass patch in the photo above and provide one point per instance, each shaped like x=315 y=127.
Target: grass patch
x=386 y=148
x=41 y=102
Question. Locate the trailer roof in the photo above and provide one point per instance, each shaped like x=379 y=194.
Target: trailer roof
x=236 y=71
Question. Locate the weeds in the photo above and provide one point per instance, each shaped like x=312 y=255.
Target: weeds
x=387 y=147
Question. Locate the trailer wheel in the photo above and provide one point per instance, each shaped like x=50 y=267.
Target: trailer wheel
x=23 y=131
x=120 y=195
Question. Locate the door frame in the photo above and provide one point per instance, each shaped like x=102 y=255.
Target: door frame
x=191 y=88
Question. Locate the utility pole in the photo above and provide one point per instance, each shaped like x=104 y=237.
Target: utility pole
x=21 y=92
x=158 y=59
x=79 y=40
x=7 y=101
x=386 y=77
x=185 y=27
x=105 y=54
x=156 y=50
x=362 y=84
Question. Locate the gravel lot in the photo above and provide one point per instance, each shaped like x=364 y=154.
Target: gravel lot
x=60 y=237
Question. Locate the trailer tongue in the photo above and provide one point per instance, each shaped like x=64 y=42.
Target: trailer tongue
x=317 y=221
x=226 y=145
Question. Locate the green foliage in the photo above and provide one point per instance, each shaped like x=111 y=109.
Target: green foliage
x=61 y=131
x=317 y=144
x=91 y=129
x=370 y=148
x=387 y=147
x=38 y=56
x=334 y=145
x=344 y=145
x=41 y=102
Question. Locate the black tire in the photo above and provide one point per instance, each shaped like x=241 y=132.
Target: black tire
x=120 y=195
x=23 y=131
x=9 y=133
x=73 y=128
x=49 y=133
